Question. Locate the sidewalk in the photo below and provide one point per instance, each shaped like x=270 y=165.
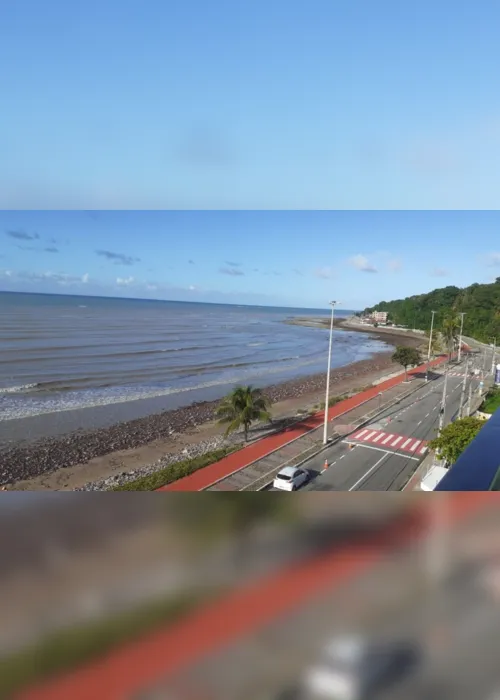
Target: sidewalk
x=161 y=654
x=426 y=465
x=262 y=456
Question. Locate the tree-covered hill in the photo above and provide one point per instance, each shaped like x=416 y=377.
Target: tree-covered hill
x=480 y=302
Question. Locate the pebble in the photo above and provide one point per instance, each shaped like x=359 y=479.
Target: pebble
x=42 y=457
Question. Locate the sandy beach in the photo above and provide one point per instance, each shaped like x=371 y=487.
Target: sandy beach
x=93 y=457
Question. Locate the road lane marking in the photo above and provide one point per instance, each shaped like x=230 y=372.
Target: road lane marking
x=423 y=450
x=367 y=437
x=395 y=442
x=341 y=456
x=359 y=435
x=415 y=445
x=405 y=443
x=369 y=472
x=427 y=415
x=419 y=422
x=378 y=437
x=387 y=438
x=387 y=452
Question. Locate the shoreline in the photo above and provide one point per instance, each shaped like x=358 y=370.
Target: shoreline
x=74 y=460
x=77 y=459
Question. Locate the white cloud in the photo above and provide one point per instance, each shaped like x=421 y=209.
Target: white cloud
x=394 y=265
x=360 y=262
x=324 y=273
x=85 y=278
x=124 y=281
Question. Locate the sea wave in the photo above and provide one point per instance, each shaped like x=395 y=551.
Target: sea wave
x=18 y=389
x=91 y=398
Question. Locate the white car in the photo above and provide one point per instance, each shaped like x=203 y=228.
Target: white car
x=290 y=478
x=354 y=668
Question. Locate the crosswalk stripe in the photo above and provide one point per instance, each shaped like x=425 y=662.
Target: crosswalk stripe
x=405 y=443
x=395 y=442
x=423 y=450
x=370 y=435
x=415 y=445
x=378 y=437
x=387 y=439
x=360 y=434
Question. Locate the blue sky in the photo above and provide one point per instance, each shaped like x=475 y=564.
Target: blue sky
x=272 y=258
x=347 y=104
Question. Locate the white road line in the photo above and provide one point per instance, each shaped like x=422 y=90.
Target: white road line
x=395 y=442
x=356 y=436
x=341 y=456
x=389 y=437
x=378 y=437
x=423 y=450
x=405 y=443
x=368 y=472
x=427 y=414
x=419 y=422
x=367 y=437
x=387 y=452
x=415 y=445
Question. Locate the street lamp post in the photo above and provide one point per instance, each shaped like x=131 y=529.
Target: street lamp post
x=469 y=401
x=460 y=338
x=430 y=347
x=462 y=396
x=327 y=398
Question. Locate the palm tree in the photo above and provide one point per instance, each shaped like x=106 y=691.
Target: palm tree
x=242 y=407
x=451 y=324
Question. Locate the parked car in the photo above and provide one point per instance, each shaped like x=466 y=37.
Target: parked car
x=357 y=669
x=291 y=478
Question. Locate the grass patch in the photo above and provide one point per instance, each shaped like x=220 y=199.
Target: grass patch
x=175 y=471
x=70 y=648
x=491 y=402
x=332 y=401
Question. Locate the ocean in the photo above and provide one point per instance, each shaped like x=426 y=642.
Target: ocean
x=66 y=353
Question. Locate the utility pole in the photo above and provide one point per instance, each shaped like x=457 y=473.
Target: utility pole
x=430 y=347
x=460 y=338
x=443 y=403
x=462 y=395
x=493 y=358
x=469 y=400
x=327 y=399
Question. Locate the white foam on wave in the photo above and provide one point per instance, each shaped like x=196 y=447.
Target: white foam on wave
x=92 y=398
x=17 y=389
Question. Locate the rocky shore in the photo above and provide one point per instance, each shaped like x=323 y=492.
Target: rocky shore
x=44 y=456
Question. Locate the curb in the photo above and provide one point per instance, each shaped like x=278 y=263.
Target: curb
x=343 y=437
x=396 y=381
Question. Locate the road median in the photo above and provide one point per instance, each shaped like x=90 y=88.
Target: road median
x=246 y=457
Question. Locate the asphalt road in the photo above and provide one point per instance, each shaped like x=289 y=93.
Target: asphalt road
x=456 y=624
x=377 y=467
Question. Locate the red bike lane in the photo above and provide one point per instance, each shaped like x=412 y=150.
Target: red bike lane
x=241 y=459
x=143 y=662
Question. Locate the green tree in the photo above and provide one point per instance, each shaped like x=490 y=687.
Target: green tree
x=451 y=325
x=406 y=357
x=455 y=437
x=436 y=345
x=242 y=407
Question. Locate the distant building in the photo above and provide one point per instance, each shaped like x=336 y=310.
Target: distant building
x=379 y=316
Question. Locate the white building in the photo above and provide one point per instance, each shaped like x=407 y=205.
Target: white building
x=379 y=316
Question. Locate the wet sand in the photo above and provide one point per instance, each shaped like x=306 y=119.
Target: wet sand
x=73 y=460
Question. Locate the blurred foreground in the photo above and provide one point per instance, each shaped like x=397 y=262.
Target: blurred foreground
x=239 y=596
